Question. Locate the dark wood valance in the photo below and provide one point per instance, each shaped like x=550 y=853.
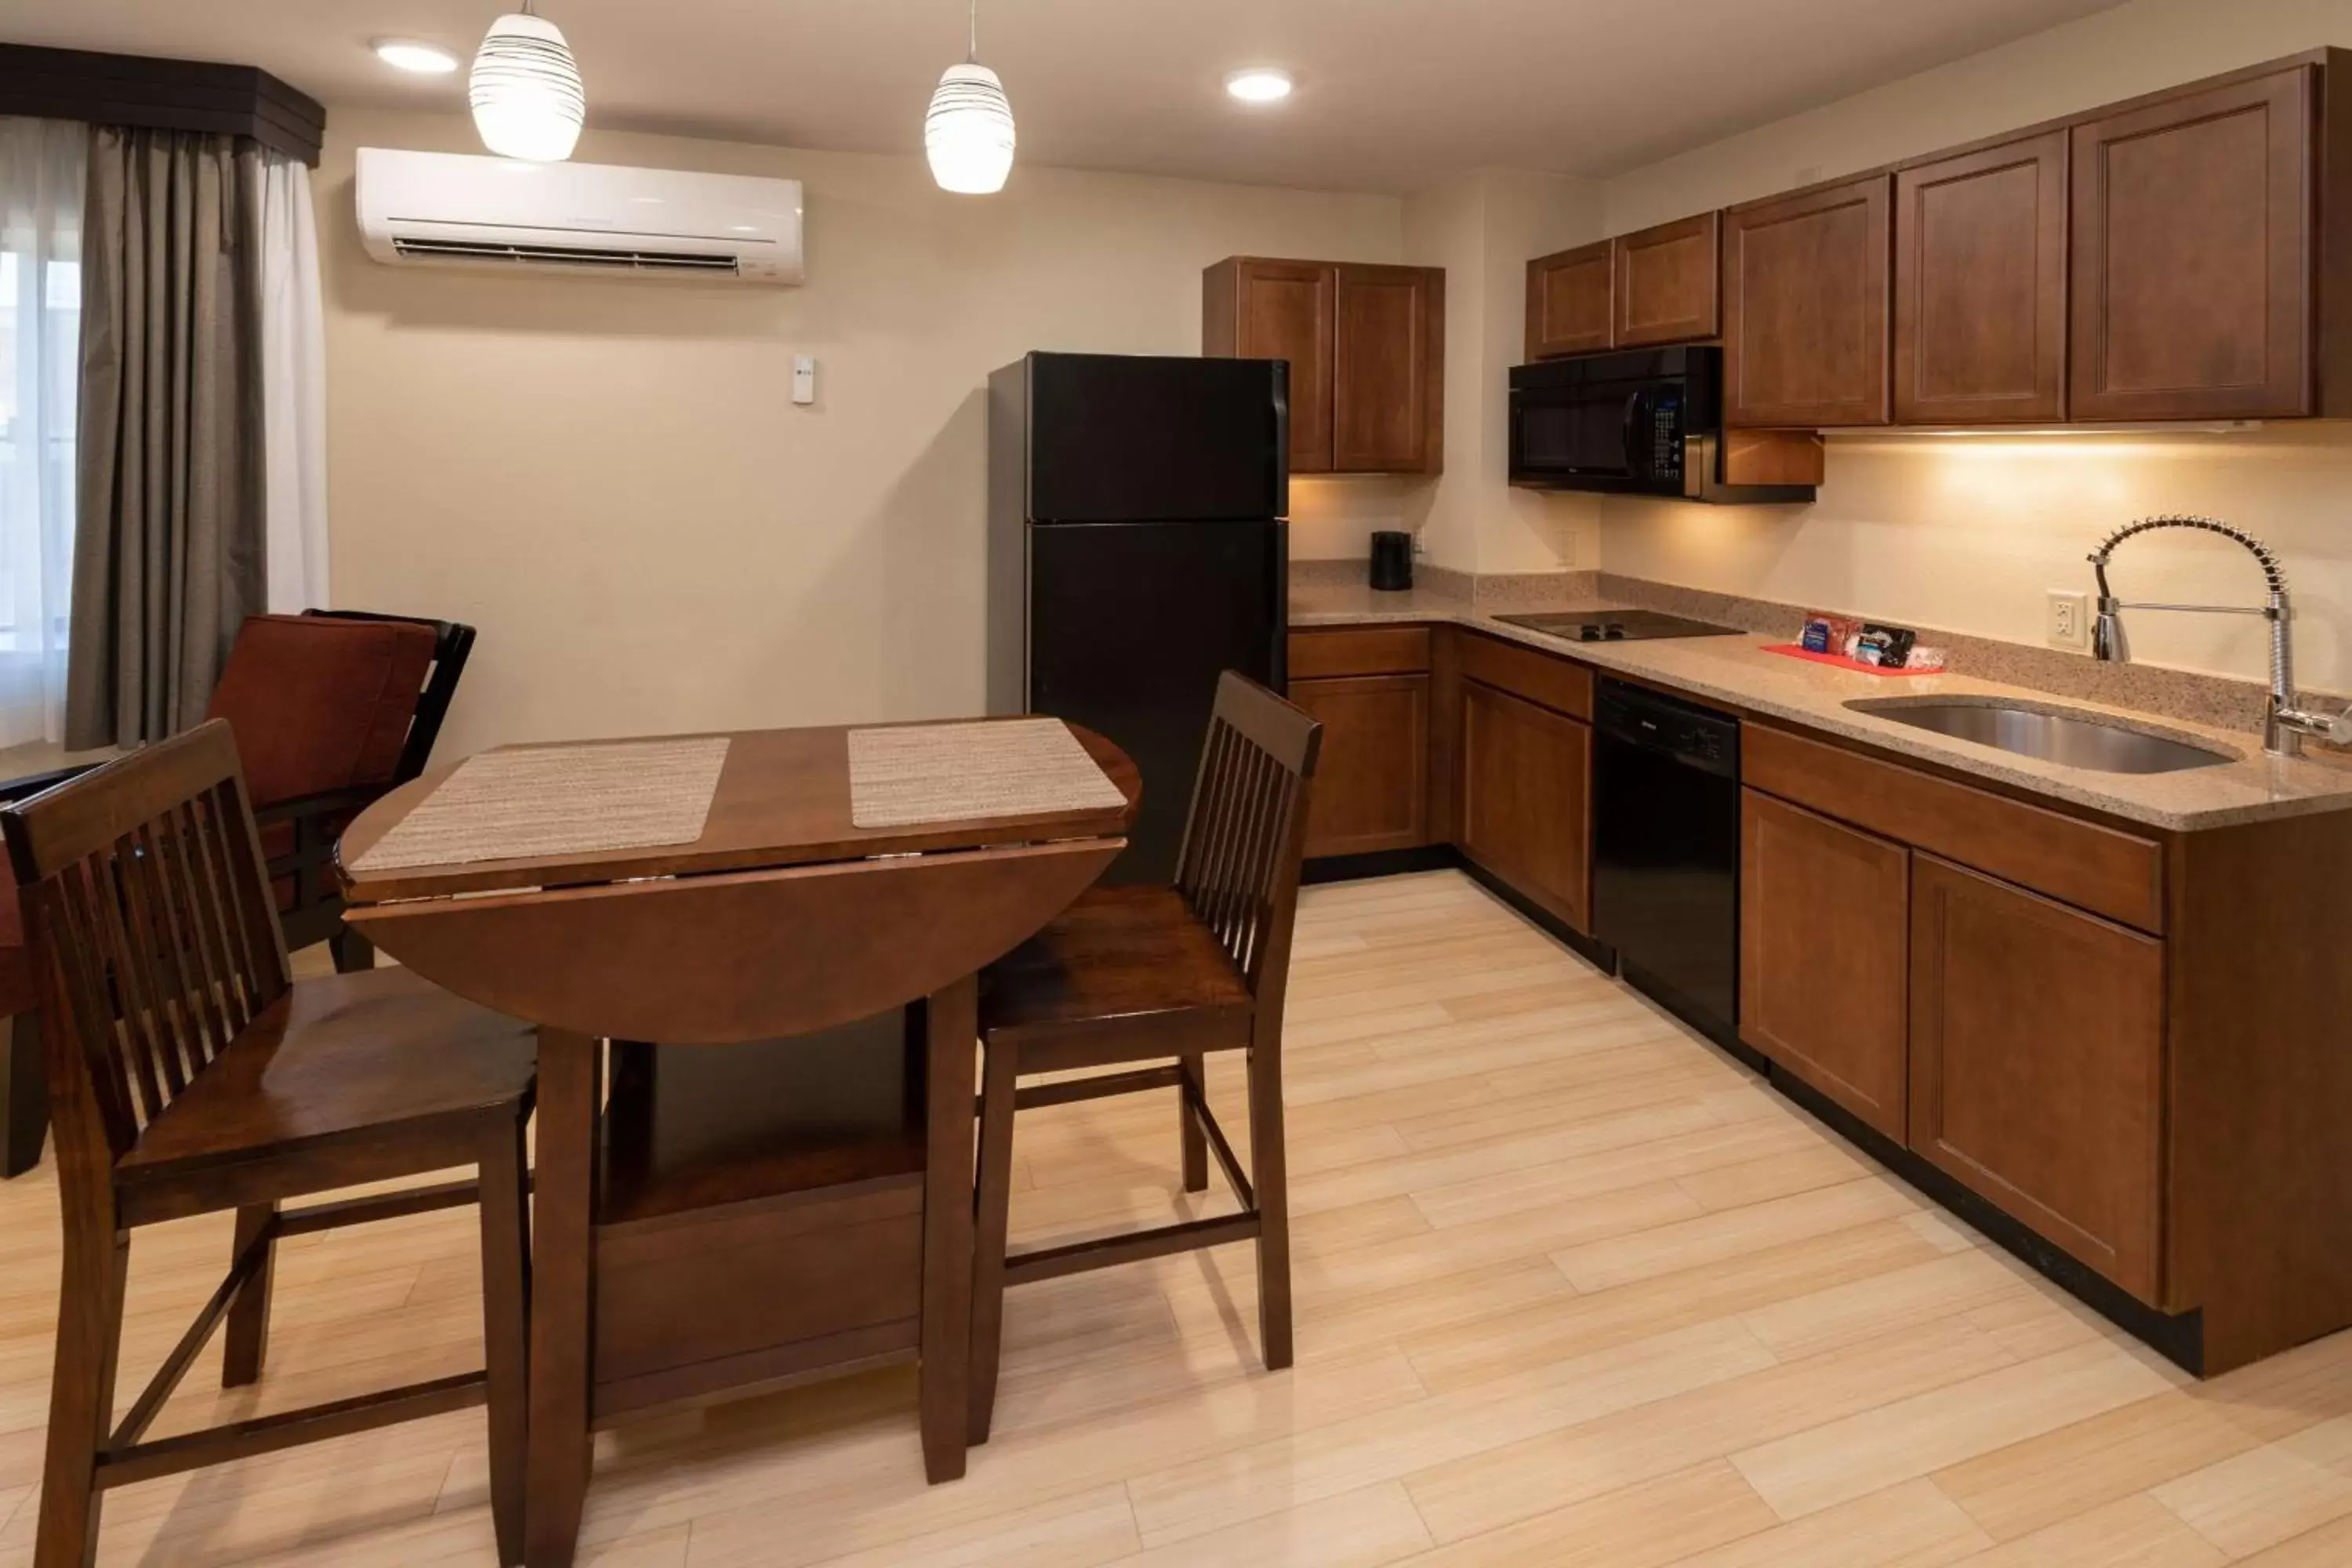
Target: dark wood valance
x=171 y=95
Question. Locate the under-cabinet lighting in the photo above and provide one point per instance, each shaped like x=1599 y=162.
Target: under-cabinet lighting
x=1919 y=432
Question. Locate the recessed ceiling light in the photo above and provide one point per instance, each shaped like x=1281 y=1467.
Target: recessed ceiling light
x=409 y=55
x=1260 y=84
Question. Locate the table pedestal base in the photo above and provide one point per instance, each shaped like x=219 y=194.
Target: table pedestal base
x=743 y=1218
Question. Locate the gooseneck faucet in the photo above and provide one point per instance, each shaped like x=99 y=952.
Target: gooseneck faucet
x=2283 y=724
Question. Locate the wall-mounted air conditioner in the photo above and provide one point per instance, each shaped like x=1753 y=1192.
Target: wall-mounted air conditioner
x=448 y=209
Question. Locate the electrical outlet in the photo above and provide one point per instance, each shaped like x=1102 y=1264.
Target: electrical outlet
x=2069 y=622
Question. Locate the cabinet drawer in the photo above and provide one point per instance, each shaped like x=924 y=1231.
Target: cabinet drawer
x=2098 y=868
x=1367 y=650
x=1549 y=682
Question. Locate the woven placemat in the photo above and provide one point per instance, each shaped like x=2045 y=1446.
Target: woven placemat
x=954 y=772
x=529 y=801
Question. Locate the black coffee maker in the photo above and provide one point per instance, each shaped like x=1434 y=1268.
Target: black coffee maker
x=1392 y=561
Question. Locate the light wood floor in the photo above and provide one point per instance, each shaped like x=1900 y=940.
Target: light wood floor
x=1572 y=1288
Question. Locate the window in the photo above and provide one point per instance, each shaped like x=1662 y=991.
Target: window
x=41 y=164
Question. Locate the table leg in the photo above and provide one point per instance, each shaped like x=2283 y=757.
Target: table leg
x=952 y=1027
x=563 y=1237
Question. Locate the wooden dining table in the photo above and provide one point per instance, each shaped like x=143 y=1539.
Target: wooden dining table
x=662 y=1279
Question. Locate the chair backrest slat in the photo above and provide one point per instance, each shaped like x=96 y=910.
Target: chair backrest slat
x=193 y=885
x=150 y=927
x=1246 y=834
x=176 y=1024
x=132 y=982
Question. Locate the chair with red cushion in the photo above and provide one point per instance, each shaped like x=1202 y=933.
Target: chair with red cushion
x=331 y=709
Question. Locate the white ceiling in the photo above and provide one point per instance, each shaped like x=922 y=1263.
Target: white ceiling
x=1392 y=94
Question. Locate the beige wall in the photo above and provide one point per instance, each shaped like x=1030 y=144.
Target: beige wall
x=1968 y=533
x=610 y=478
x=1482 y=228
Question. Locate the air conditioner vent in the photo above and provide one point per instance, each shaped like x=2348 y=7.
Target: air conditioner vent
x=452 y=209
x=562 y=256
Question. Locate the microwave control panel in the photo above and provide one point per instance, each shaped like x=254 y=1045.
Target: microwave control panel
x=1665 y=437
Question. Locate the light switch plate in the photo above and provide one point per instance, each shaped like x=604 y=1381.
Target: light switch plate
x=2068 y=622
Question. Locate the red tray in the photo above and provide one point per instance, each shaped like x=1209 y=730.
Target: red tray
x=1795 y=650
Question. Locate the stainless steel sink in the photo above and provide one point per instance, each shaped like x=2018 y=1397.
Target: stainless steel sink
x=2074 y=737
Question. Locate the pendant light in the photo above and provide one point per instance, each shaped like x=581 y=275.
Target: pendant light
x=525 y=89
x=967 y=135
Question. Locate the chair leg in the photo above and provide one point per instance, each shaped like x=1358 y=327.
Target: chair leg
x=247 y=1341
x=1194 y=1144
x=506 y=1328
x=1269 y=1175
x=991 y=1222
x=23 y=1097
x=81 y=1396
x=351 y=951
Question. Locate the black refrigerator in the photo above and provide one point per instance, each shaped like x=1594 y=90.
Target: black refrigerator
x=1137 y=549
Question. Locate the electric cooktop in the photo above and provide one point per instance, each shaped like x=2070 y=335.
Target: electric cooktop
x=1617 y=625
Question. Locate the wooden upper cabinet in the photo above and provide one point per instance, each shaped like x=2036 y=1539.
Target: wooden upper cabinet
x=1826 y=956
x=1667 y=280
x=1660 y=285
x=2193 y=255
x=2037 y=1064
x=1805 y=307
x=1569 y=296
x=1253 y=309
x=1367 y=353
x=1981 y=286
x=1387 y=381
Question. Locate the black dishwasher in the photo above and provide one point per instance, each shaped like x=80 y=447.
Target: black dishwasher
x=1666 y=864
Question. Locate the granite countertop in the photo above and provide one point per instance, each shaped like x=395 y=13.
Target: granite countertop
x=1736 y=670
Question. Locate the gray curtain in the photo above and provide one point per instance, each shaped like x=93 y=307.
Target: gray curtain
x=168 y=535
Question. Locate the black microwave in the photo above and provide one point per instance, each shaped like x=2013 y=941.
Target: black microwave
x=1643 y=422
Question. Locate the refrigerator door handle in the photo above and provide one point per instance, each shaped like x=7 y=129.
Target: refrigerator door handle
x=1281 y=444
x=1279 y=575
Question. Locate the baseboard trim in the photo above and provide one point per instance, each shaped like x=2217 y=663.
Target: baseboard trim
x=1379 y=863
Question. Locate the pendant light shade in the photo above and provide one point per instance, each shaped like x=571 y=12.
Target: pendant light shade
x=967 y=135
x=525 y=90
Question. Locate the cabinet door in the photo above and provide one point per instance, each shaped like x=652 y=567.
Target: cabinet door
x=1980 y=286
x=1567 y=300
x=1804 y=328
x=1526 y=800
x=2037 y=1046
x=1287 y=310
x=1667 y=283
x=1387 y=388
x=1826 y=955
x=2192 y=293
x=1371 y=787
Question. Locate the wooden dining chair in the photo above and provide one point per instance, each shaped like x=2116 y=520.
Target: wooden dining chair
x=189 y=1074
x=1130 y=975
x=332 y=709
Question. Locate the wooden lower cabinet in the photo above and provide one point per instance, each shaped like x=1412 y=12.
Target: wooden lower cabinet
x=1371 y=787
x=1525 y=799
x=2037 y=1050
x=1826 y=956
